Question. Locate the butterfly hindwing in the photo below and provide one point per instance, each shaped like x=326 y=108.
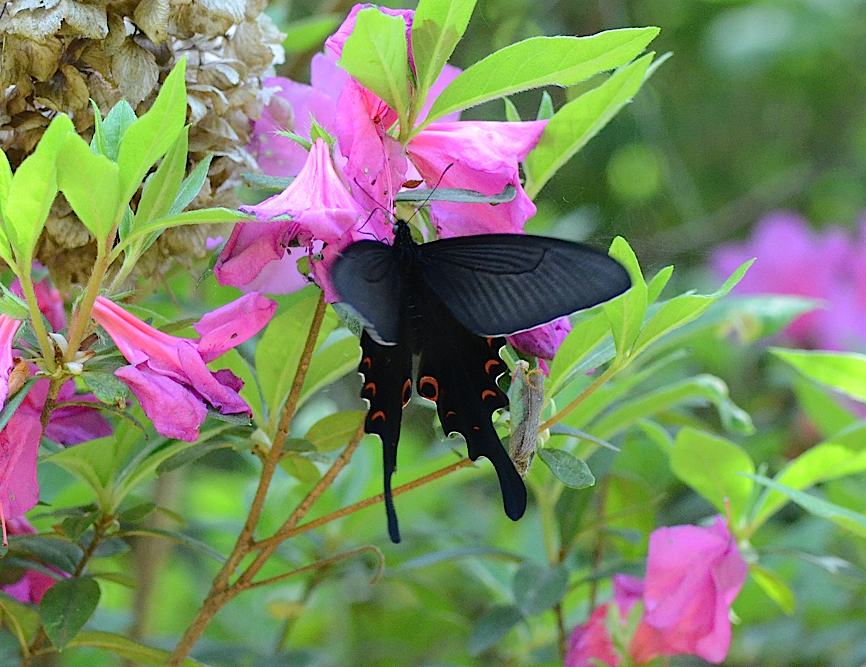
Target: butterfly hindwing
x=367 y=277
x=500 y=284
x=387 y=385
x=458 y=371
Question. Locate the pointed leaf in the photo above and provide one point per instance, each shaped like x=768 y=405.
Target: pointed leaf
x=66 y=607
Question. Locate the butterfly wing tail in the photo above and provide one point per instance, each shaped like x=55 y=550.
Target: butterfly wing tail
x=486 y=443
x=387 y=385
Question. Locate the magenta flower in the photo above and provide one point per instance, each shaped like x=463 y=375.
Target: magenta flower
x=483 y=156
x=335 y=42
x=591 y=642
x=33 y=584
x=795 y=260
x=8 y=329
x=321 y=209
x=543 y=341
x=48 y=299
x=165 y=370
x=19 y=446
x=693 y=576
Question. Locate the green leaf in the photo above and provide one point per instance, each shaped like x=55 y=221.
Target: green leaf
x=823 y=462
x=586 y=333
x=118 y=645
x=66 y=607
x=775 y=588
x=437 y=27
x=715 y=468
x=492 y=627
x=191 y=186
x=114 y=126
x=149 y=137
x=14 y=402
x=545 y=107
x=458 y=195
x=625 y=313
x=279 y=350
x=512 y=115
x=191 y=455
x=304 y=470
x=21 y=619
x=202 y=216
x=854 y=522
x=95 y=463
x=537 y=62
x=567 y=468
x=822 y=408
x=48 y=550
x=107 y=388
x=335 y=431
x=33 y=189
x=579 y=121
x=376 y=55
x=842 y=371
x=91 y=186
x=178 y=538
x=308 y=33
x=657 y=284
x=329 y=364
x=161 y=189
x=697 y=390
x=682 y=309
x=537 y=588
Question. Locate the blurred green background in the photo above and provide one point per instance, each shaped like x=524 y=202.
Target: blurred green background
x=760 y=107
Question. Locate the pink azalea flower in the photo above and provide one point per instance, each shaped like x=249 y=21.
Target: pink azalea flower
x=693 y=576
x=590 y=642
x=19 y=446
x=33 y=584
x=543 y=341
x=483 y=156
x=165 y=370
x=8 y=329
x=321 y=209
x=819 y=265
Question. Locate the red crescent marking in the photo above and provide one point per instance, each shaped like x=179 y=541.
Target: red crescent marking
x=367 y=362
x=450 y=413
x=378 y=415
x=371 y=386
x=490 y=363
x=423 y=382
x=407 y=391
x=476 y=428
x=488 y=392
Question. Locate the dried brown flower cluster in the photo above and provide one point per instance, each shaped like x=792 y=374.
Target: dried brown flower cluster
x=59 y=54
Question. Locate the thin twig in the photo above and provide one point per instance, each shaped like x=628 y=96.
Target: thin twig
x=581 y=397
x=282 y=535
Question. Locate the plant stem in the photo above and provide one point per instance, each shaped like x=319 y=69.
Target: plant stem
x=282 y=535
x=220 y=592
x=45 y=344
x=81 y=316
x=582 y=396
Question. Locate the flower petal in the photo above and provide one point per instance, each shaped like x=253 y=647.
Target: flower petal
x=251 y=249
x=232 y=324
x=8 y=329
x=482 y=156
x=543 y=341
x=155 y=392
x=19 y=446
x=137 y=341
x=223 y=397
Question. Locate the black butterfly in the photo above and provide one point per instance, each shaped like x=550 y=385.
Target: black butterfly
x=452 y=302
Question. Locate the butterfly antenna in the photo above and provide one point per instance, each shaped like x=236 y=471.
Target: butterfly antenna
x=366 y=222
x=431 y=193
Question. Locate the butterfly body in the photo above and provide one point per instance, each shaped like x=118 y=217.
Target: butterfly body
x=450 y=303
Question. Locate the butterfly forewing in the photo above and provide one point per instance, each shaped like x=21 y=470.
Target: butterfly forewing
x=367 y=277
x=499 y=284
x=387 y=385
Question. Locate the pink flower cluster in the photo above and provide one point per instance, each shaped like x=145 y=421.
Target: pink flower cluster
x=20 y=437
x=794 y=259
x=693 y=576
x=346 y=193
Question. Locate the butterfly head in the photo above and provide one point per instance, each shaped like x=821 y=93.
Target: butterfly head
x=403 y=234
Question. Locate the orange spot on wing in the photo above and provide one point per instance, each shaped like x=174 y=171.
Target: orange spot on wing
x=370 y=387
x=488 y=393
x=407 y=391
x=490 y=364
x=428 y=387
x=366 y=362
x=378 y=415
x=489 y=341
x=476 y=428
x=450 y=413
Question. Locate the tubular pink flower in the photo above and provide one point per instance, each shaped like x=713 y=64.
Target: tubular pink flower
x=48 y=299
x=321 y=208
x=166 y=370
x=334 y=43
x=482 y=156
x=693 y=576
x=19 y=445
